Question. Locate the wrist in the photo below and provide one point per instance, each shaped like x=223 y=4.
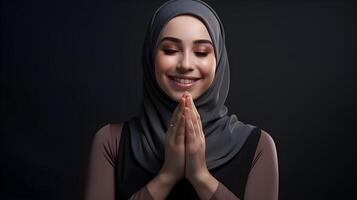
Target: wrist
x=199 y=178
x=167 y=179
x=205 y=185
x=160 y=186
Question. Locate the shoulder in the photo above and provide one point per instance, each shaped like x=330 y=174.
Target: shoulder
x=266 y=149
x=108 y=132
x=263 y=179
x=106 y=140
x=266 y=142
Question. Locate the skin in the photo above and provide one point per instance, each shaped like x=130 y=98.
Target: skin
x=185 y=140
x=185 y=52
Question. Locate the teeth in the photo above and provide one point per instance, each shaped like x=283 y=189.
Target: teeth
x=183 y=81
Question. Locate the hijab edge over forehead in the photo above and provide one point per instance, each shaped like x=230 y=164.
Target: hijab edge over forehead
x=185 y=14
x=206 y=15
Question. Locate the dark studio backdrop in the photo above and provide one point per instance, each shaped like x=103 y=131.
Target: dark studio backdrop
x=70 y=67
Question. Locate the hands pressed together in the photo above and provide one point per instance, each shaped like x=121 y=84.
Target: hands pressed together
x=185 y=144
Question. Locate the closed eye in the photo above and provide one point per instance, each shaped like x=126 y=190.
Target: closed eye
x=201 y=54
x=170 y=51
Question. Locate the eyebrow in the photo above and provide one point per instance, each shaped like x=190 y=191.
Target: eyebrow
x=176 y=40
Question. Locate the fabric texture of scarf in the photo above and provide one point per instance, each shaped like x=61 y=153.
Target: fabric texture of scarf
x=225 y=135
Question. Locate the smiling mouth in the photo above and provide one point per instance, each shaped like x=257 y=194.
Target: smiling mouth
x=183 y=83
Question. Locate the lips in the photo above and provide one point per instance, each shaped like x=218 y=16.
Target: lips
x=183 y=82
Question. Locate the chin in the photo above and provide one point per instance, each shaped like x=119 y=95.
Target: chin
x=176 y=96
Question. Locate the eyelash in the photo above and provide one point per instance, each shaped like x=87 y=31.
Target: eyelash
x=172 y=52
x=201 y=54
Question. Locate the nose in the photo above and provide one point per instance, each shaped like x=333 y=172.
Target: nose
x=185 y=63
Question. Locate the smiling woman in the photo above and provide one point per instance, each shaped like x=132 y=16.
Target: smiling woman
x=185 y=59
x=183 y=144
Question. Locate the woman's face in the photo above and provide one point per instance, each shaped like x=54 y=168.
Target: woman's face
x=185 y=58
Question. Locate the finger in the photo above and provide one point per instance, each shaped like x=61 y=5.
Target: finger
x=180 y=132
x=185 y=96
x=176 y=123
x=198 y=117
x=177 y=109
x=192 y=104
x=198 y=121
x=170 y=134
x=176 y=114
x=194 y=116
x=190 y=132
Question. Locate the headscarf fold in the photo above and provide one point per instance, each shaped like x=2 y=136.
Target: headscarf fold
x=224 y=135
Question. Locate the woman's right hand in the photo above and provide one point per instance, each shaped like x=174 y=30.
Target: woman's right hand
x=174 y=165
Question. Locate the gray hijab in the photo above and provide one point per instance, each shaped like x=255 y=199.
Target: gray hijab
x=224 y=134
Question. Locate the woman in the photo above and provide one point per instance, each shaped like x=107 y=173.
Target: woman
x=183 y=145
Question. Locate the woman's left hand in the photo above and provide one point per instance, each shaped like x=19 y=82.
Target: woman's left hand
x=195 y=161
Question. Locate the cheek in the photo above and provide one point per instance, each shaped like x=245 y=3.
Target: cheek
x=164 y=63
x=208 y=68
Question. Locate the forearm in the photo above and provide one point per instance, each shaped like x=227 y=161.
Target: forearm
x=223 y=193
x=205 y=186
x=160 y=186
x=208 y=187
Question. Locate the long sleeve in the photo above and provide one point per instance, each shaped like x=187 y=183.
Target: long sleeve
x=100 y=178
x=263 y=179
x=101 y=170
x=142 y=194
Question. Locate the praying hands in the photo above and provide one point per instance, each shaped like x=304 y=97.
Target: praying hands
x=185 y=151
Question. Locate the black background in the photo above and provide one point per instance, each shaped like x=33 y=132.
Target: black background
x=70 y=67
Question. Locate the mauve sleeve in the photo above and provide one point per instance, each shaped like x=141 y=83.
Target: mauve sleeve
x=263 y=178
x=142 y=194
x=100 y=177
x=101 y=170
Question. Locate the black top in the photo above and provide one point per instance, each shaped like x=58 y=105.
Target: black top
x=131 y=177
